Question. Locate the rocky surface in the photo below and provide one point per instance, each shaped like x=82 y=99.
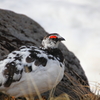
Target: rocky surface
x=17 y=30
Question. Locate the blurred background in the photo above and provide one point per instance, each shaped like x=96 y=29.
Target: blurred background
x=78 y=21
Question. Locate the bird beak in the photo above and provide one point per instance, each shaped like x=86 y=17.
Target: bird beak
x=61 y=39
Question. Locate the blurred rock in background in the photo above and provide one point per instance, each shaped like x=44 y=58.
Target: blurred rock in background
x=17 y=30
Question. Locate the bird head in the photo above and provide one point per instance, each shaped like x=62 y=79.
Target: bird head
x=52 y=41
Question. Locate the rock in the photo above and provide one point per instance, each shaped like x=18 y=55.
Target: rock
x=17 y=30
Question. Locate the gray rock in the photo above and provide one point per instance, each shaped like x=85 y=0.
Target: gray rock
x=17 y=30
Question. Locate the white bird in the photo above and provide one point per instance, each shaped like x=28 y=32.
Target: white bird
x=30 y=69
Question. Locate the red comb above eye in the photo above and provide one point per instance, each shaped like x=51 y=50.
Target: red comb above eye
x=53 y=37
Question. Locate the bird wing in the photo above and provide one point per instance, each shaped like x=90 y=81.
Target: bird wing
x=20 y=61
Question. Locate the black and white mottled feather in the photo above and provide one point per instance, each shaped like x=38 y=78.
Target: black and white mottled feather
x=43 y=66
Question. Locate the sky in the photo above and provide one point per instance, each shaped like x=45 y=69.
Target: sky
x=78 y=21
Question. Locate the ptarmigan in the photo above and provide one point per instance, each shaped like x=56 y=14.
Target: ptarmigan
x=30 y=68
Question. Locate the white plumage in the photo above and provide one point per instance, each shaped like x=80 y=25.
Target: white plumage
x=31 y=67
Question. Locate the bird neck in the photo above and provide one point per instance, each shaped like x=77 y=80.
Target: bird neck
x=56 y=52
x=47 y=48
